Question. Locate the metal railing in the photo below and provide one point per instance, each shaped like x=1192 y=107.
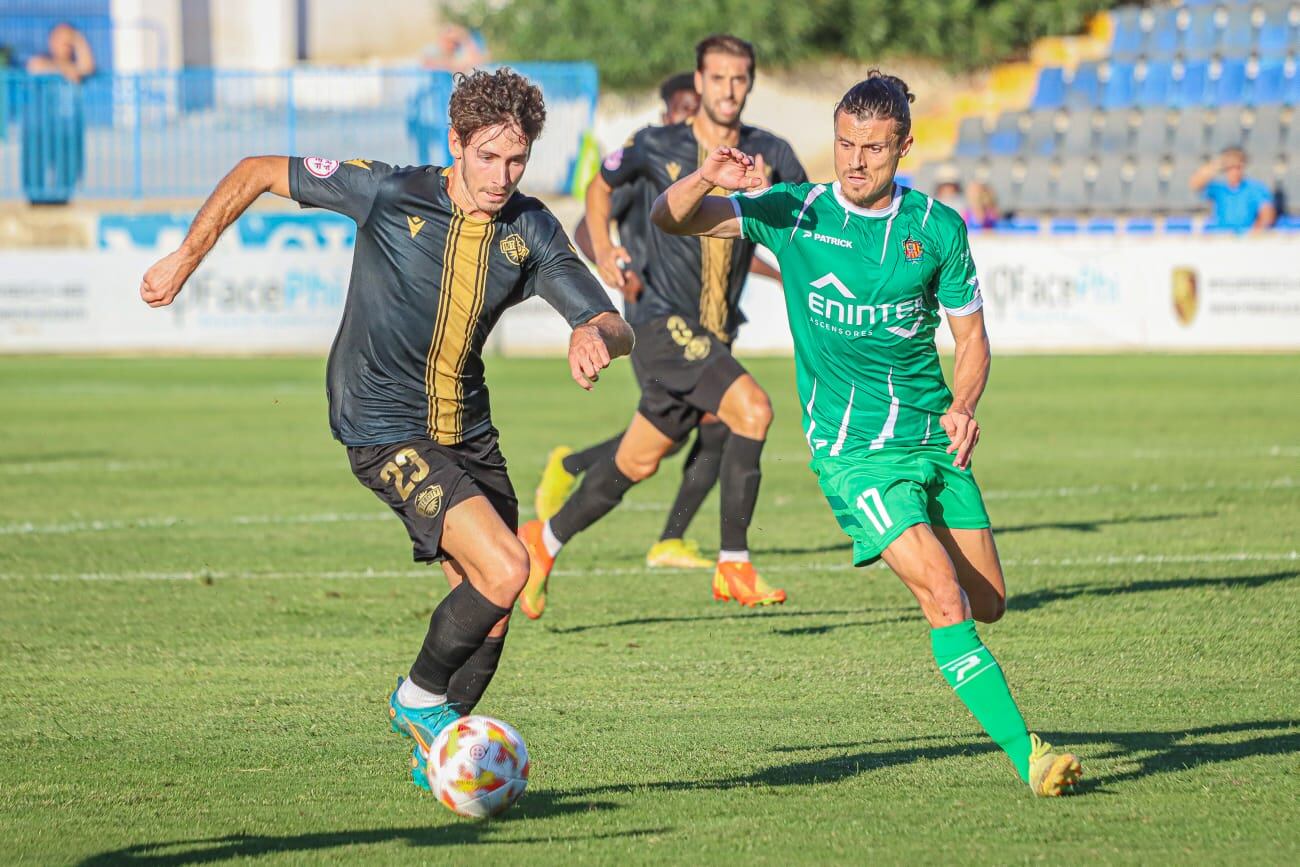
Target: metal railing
x=174 y=134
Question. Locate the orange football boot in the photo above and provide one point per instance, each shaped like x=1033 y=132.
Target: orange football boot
x=532 y=601
x=741 y=582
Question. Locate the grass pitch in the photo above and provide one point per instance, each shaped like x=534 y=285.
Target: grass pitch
x=201 y=614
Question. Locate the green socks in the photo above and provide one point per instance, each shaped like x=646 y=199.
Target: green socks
x=975 y=676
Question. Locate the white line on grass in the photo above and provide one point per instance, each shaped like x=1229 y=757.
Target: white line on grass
x=839 y=566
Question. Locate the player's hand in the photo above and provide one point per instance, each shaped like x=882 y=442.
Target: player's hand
x=163 y=282
x=632 y=285
x=759 y=170
x=611 y=266
x=731 y=169
x=964 y=431
x=588 y=355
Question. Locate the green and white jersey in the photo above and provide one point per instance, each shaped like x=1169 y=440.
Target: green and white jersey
x=863 y=290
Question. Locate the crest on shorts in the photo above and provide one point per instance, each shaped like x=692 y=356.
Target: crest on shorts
x=514 y=248
x=429 y=501
x=697 y=348
x=674 y=170
x=912 y=249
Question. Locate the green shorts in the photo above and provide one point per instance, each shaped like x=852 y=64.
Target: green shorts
x=875 y=497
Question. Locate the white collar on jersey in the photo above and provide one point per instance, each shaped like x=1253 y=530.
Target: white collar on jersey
x=887 y=211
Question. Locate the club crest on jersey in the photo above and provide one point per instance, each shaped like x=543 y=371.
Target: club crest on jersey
x=674 y=170
x=912 y=249
x=514 y=248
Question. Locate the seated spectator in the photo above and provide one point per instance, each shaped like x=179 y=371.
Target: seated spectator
x=1240 y=203
x=456 y=50
x=69 y=55
x=976 y=204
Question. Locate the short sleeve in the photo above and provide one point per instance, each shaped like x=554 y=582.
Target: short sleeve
x=348 y=188
x=1214 y=191
x=768 y=217
x=959 y=285
x=555 y=273
x=626 y=164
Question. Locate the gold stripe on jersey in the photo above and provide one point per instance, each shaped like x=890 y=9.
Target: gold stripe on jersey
x=715 y=272
x=440 y=325
x=464 y=285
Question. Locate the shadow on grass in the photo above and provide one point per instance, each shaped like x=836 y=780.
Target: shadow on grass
x=1095 y=526
x=1047 y=595
x=757 y=615
x=210 y=850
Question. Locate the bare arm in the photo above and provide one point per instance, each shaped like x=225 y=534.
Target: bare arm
x=596 y=342
x=83 y=59
x=1201 y=178
x=686 y=208
x=762 y=269
x=604 y=252
x=237 y=190
x=970 y=376
x=632 y=285
x=1266 y=217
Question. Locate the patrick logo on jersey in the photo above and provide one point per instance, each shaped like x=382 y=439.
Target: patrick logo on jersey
x=845 y=315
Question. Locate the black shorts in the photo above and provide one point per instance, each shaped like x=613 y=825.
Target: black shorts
x=683 y=371
x=421 y=480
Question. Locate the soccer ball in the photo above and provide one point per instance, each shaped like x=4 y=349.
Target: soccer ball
x=478 y=766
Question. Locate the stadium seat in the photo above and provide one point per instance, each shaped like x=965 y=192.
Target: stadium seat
x=1001 y=180
x=1120 y=89
x=1110 y=188
x=1071 y=187
x=971 y=138
x=1020 y=226
x=1291 y=186
x=1189 y=133
x=1127 y=43
x=1192 y=87
x=1163 y=39
x=1238 y=37
x=1115 y=133
x=1085 y=87
x=1291 y=88
x=1139 y=226
x=1063 y=226
x=1230 y=87
x=1041 y=137
x=1037 y=190
x=1264 y=137
x=1201 y=38
x=1178 y=225
x=1078 y=137
x=1152 y=134
x=1178 y=196
x=1100 y=226
x=1226 y=131
x=1275 y=37
x=1143 y=194
x=1005 y=138
x=1156 y=84
x=1269 y=84
x=1051 y=89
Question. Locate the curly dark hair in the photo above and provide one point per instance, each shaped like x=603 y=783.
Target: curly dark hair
x=482 y=99
x=882 y=97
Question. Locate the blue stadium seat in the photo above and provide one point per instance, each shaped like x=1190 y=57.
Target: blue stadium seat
x=1120 y=90
x=1051 y=88
x=1063 y=226
x=1230 y=88
x=1269 y=85
x=1238 y=38
x=1164 y=38
x=1019 y=225
x=1191 y=89
x=1128 y=41
x=1140 y=226
x=1178 y=225
x=1156 y=85
x=1005 y=138
x=1100 y=226
x=1041 y=137
x=1201 y=38
x=1274 y=40
x=1085 y=87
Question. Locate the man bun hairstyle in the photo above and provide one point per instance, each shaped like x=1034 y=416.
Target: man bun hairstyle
x=483 y=99
x=880 y=97
x=724 y=43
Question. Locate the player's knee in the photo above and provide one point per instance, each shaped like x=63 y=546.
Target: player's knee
x=989 y=610
x=638 y=469
x=505 y=569
x=940 y=596
x=755 y=416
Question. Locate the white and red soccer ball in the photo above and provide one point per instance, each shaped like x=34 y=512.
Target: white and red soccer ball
x=478 y=766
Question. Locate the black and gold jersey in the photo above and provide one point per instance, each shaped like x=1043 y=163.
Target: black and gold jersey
x=699 y=278
x=428 y=283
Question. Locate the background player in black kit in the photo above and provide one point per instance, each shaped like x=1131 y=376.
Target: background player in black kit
x=704 y=460
x=440 y=253
x=685 y=321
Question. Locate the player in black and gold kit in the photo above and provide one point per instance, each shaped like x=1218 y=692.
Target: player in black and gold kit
x=685 y=321
x=440 y=254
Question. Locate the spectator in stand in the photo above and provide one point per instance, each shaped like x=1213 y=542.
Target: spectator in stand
x=455 y=50
x=976 y=204
x=1241 y=204
x=70 y=55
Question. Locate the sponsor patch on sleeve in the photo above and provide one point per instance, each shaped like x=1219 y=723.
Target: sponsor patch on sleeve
x=614 y=160
x=321 y=167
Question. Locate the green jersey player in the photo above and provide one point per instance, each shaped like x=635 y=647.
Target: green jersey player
x=869 y=267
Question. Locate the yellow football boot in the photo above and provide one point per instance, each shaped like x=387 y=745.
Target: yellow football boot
x=676 y=554
x=1050 y=774
x=556 y=484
